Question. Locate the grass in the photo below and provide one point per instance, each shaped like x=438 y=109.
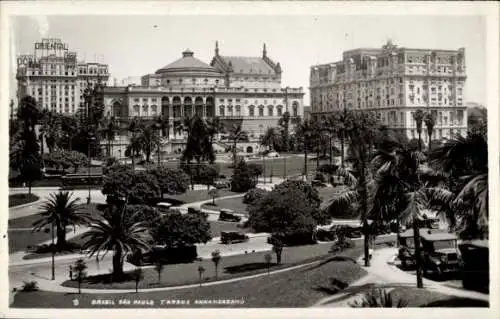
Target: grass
x=192 y=196
x=295 y=288
x=424 y=298
x=20 y=199
x=177 y=274
x=235 y=204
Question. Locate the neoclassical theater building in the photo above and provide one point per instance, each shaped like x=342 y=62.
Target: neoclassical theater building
x=240 y=89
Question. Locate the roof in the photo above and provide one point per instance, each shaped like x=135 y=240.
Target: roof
x=477 y=243
x=188 y=63
x=248 y=65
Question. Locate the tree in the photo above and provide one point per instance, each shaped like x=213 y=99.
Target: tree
x=216 y=257
x=242 y=179
x=28 y=113
x=305 y=132
x=255 y=170
x=236 y=134
x=134 y=146
x=271 y=139
x=181 y=230
x=206 y=174
x=268 y=258
x=214 y=193
x=201 y=270
x=159 y=268
x=214 y=127
x=464 y=160
x=61 y=210
x=430 y=121
x=283 y=210
x=80 y=268
x=109 y=131
x=253 y=195
x=418 y=116
x=163 y=126
x=140 y=187
x=171 y=181
x=26 y=157
x=138 y=276
x=115 y=232
x=284 y=123
x=149 y=139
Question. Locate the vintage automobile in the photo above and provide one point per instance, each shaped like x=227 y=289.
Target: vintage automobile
x=232 y=237
x=406 y=252
x=222 y=184
x=440 y=252
x=476 y=266
x=163 y=207
x=228 y=215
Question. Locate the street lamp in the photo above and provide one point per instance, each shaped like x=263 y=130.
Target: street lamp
x=53 y=251
x=90 y=140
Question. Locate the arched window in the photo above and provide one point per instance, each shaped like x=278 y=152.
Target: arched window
x=261 y=110
x=136 y=110
x=279 y=110
x=177 y=106
x=295 y=108
x=154 y=110
x=221 y=110
x=238 y=110
x=145 y=110
x=270 y=111
x=229 y=110
x=165 y=109
x=251 y=110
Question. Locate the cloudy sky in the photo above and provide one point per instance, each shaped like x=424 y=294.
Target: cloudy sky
x=133 y=46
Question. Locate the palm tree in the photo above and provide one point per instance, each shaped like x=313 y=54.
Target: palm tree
x=116 y=231
x=305 y=133
x=163 y=127
x=28 y=112
x=429 y=120
x=271 y=138
x=60 y=210
x=465 y=162
x=284 y=123
x=45 y=123
x=134 y=144
x=214 y=127
x=236 y=134
x=418 y=116
x=178 y=128
x=109 y=130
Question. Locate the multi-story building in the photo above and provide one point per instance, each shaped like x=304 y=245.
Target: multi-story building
x=53 y=76
x=236 y=89
x=395 y=82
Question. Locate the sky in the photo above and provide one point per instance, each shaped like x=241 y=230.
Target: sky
x=133 y=46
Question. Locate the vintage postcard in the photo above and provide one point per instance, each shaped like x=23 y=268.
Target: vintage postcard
x=184 y=158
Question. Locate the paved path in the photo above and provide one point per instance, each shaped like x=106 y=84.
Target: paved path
x=383 y=272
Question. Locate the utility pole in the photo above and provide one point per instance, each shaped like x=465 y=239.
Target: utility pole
x=287 y=133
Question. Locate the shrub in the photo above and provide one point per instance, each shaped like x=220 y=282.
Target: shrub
x=319 y=177
x=242 y=179
x=378 y=298
x=252 y=195
x=29 y=286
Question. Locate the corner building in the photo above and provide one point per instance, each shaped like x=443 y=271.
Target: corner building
x=55 y=78
x=245 y=90
x=395 y=82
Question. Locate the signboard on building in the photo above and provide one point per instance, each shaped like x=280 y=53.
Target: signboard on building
x=50 y=47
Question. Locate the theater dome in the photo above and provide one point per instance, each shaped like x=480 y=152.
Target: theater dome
x=188 y=65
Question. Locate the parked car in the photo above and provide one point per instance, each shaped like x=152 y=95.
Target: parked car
x=476 y=267
x=228 y=215
x=222 y=184
x=440 y=252
x=296 y=239
x=273 y=154
x=164 y=255
x=232 y=237
x=406 y=252
x=163 y=207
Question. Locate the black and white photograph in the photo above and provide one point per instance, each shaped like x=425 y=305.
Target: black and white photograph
x=259 y=156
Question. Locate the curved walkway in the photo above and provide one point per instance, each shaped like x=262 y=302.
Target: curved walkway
x=383 y=273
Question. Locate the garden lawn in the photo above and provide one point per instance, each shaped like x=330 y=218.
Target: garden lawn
x=426 y=298
x=295 y=288
x=20 y=199
x=192 y=196
x=229 y=267
x=235 y=204
x=75 y=242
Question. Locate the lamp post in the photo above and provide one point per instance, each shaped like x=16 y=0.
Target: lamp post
x=91 y=139
x=53 y=251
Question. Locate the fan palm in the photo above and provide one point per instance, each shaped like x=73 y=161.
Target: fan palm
x=465 y=161
x=116 y=232
x=430 y=121
x=61 y=210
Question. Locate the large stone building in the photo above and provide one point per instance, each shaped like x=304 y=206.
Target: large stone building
x=396 y=82
x=239 y=89
x=54 y=77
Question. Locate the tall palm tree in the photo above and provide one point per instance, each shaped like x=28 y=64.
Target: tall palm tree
x=430 y=121
x=465 y=161
x=236 y=134
x=214 y=127
x=418 y=116
x=45 y=123
x=109 y=130
x=305 y=133
x=134 y=144
x=116 y=231
x=61 y=210
x=163 y=127
x=198 y=145
x=284 y=123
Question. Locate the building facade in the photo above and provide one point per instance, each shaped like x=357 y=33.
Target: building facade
x=55 y=78
x=395 y=82
x=244 y=90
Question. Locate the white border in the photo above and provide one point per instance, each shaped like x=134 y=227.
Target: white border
x=489 y=10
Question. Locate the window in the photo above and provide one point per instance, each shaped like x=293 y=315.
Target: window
x=221 y=110
x=261 y=111
x=270 y=111
x=251 y=110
